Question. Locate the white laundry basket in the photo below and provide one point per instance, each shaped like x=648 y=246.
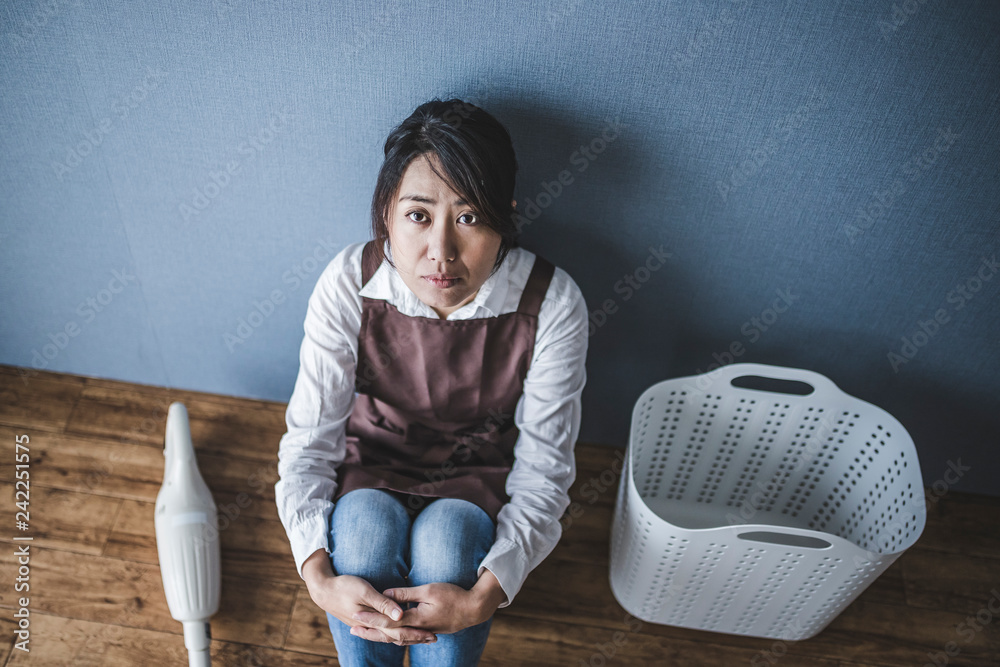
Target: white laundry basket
x=759 y=513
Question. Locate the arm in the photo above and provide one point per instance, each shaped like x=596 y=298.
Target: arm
x=313 y=446
x=548 y=418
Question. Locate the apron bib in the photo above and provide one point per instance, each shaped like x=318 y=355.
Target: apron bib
x=434 y=414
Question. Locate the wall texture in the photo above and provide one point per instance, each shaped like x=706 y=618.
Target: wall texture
x=823 y=176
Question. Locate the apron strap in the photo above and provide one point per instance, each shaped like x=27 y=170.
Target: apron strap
x=536 y=287
x=368 y=263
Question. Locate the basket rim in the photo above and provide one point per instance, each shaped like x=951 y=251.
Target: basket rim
x=902 y=442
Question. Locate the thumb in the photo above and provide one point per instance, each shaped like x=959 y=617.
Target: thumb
x=410 y=594
x=383 y=605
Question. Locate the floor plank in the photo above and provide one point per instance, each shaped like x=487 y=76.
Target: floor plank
x=96 y=456
x=962 y=523
x=519 y=641
x=221 y=426
x=130 y=471
x=42 y=400
x=964 y=588
x=251 y=547
x=61 y=642
x=71 y=520
x=127 y=593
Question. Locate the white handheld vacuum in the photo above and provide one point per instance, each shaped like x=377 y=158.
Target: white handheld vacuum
x=187 y=539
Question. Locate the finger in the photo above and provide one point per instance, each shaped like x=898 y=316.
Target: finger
x=413 y=617
x=398 y=636
x=383 y=605
x=407 y=634
x=371 y=634
x=407 y=594
x=374 y=619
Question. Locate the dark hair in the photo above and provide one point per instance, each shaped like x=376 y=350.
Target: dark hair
x=478 y=159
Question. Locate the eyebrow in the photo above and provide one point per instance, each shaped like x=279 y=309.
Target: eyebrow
x=427 y=200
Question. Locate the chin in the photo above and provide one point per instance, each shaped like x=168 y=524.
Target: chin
x=435 y=300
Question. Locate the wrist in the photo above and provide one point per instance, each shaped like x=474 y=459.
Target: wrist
x=488 y=595
x=316 y=569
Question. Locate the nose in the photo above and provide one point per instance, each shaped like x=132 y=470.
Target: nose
x=441 y=245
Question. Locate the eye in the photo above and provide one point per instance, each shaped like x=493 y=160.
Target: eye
x=418 y=213
x=467 y=218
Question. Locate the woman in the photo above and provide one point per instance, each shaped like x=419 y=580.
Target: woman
x=430 y=435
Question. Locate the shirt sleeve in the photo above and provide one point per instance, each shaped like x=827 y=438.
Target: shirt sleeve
x=548 y=420
x=313 y=446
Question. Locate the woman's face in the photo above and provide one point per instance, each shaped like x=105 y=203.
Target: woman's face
x=442 y=249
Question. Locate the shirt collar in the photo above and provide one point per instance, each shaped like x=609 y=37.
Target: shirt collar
x=386 y=284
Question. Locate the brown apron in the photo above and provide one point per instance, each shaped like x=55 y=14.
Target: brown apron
x=434 y=414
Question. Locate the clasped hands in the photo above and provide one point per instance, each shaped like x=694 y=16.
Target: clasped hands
x=381 y=617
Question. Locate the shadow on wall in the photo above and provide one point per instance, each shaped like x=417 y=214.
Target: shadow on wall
x=944 y=424
x=641 y=337
x=561 y=161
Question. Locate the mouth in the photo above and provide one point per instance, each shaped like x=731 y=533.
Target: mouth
x=442 y=281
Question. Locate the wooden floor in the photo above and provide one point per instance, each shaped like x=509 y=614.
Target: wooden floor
x=96 y=597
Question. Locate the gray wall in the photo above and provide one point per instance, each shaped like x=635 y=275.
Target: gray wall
x=168 y=167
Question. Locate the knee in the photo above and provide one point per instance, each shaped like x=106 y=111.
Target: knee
x=359 y=562
x=448 y=542
x=443 y=566
x=368 y=534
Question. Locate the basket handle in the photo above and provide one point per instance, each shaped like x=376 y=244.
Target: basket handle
x=823 y=387
x=787 y=539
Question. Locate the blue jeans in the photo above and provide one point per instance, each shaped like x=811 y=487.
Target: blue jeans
x=372 y=536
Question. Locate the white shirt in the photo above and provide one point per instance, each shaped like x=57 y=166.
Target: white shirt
x=547 y=414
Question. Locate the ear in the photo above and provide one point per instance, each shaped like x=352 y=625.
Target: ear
x=513 y=203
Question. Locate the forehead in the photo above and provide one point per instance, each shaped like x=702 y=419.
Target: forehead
x=419 y=178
